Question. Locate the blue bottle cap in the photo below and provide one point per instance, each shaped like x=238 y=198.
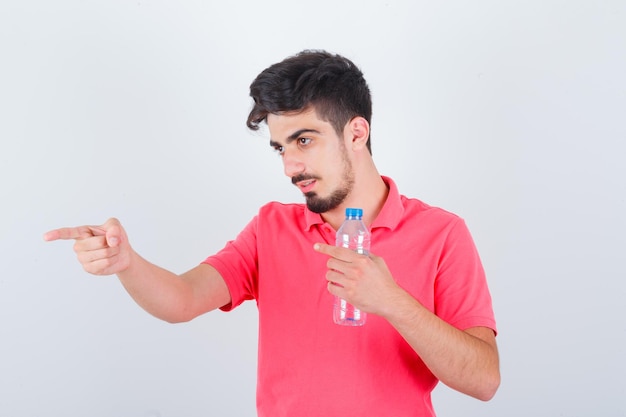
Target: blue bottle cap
x=354 y=212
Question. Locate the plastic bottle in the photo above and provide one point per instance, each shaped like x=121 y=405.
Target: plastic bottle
x=352 y=234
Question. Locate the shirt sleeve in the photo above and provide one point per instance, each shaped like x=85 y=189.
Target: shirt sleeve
x=462 y=296
x=237 y=264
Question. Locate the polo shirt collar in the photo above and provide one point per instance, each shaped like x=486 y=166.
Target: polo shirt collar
x=389 y=216
x=393 y=209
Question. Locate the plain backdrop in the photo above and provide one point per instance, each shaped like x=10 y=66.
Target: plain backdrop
x=510 y=114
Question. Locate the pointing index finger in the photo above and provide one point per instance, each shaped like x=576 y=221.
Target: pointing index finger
x=67 y=233
x=337 y=252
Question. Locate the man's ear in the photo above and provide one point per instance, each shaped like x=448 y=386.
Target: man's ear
x=359 y=130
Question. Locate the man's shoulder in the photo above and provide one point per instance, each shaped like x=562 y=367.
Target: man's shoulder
x=414 y=207
x=275 y=215
x=401 y=206
x=278 y=207
x=420 y=205
x=278 y=210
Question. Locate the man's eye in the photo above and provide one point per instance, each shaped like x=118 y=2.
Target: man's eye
x=279 y=149
x=304 y=141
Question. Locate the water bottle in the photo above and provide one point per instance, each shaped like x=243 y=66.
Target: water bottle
x=352 y=234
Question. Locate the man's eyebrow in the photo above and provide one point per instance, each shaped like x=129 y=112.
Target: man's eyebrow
x=294 y=136
x=298 y=133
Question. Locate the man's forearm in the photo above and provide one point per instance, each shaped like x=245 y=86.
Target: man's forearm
x=466 y=361
x=158 y=291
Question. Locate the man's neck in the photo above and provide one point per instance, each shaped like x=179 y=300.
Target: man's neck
x=369 y=194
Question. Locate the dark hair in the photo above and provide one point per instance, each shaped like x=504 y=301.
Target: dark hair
x=330 y=83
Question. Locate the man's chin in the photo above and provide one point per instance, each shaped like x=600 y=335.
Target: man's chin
x=319 y=206
x=314 y=204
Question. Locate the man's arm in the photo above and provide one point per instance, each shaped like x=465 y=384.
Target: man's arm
x=464 y=360
x=105 y=250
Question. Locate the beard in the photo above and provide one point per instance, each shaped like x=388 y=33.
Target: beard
x=318 y=204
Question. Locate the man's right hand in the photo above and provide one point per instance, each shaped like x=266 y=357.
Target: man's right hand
x=102 y=250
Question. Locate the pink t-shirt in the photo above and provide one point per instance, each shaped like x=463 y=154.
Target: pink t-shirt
x=307 y=365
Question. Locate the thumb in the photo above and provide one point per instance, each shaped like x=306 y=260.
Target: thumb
x=113 y=232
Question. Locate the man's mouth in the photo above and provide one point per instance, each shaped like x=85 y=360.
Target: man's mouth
x=305 y=184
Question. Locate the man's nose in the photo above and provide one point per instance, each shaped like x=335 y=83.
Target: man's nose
x=292 y=164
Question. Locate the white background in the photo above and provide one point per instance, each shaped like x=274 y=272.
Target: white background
x=508 y=113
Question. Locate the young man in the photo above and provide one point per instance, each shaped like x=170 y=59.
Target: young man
x=430 y=314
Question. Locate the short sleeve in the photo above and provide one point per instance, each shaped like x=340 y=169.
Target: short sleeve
x=237 y=264
x=462 y=296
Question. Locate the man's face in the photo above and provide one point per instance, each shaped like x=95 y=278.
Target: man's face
x=314 y=157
